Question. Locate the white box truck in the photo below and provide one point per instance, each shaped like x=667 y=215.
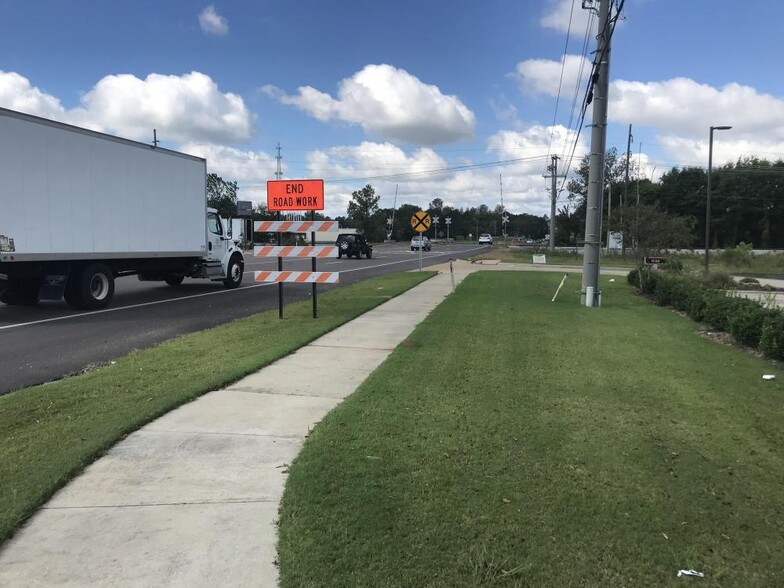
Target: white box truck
x=80 y=208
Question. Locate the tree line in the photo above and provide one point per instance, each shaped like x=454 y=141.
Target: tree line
x=747 y=202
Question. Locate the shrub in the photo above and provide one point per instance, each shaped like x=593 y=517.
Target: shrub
x=696 y=304
x=718 y=310
x=717 y=281
x=745 y=324
x=772 y=336
x=748 y=321
x=738 y=257
x=673 y=265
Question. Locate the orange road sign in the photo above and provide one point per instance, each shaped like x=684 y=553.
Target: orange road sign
x=300 y=277
x=295 y=195
x=295 y=251
x=420 y=222
x=294 y=226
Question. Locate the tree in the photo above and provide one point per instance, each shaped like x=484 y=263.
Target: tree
x=222 y=195
x=362 y=211
x=648 y=228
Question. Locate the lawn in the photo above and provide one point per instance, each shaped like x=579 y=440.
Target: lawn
x=732 y=261
x=49 y=433
x=512 y=441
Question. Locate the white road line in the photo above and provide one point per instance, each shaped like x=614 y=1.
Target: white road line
x=131 y=306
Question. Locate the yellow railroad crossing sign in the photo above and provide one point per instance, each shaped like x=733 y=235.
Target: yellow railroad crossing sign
x=420 y=222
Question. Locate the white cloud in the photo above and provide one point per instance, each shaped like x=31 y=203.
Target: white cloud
x=17 y=93
x=560 y=12
x=388 y=102
x=542 y=76
x=182 y=108
x=680 y=111
x=213 y=23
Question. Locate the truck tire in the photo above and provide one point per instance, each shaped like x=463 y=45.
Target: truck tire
x=234 y=272
x=369 y=253
x=175 y=279
x=25 y=292
x=91 y=288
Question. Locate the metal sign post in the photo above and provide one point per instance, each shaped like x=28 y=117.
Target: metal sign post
x=420 y=222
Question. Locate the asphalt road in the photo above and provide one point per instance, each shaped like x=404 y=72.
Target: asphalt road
x=52 y=340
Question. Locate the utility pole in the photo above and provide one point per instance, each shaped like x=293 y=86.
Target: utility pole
x=590 y=293
x=503 y=224
x=626 y=178
x=553 y=169
x=279 y=172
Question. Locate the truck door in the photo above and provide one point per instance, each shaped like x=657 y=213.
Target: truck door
x=216 y=241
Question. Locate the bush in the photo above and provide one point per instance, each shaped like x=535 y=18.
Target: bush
x=745 y=324
x=673 y=265
x=696 y=304
x=717 y=281
x=738 y=257
x=772 y=337
x=748 y=321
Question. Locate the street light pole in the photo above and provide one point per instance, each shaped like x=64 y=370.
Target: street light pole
x=708 y=199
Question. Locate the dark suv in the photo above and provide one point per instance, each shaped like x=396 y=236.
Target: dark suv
x=349 y=244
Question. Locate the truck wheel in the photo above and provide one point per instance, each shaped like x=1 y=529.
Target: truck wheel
x=24 y=293
x=175 y=279
x=369 y=253
x=93 y=287
x=234 y=273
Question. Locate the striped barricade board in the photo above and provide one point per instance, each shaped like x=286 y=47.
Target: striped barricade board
x=295 y=251
x=294 y=226
x=298 y=277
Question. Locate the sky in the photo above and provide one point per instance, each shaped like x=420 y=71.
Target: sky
x=460 y=100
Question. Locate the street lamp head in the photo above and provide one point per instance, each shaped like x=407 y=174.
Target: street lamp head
x=722 y=128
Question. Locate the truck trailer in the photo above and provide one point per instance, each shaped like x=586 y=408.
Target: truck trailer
x=79 y=208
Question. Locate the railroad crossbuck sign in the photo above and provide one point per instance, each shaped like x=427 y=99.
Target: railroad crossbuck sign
x=420 y=222
x=295 y=195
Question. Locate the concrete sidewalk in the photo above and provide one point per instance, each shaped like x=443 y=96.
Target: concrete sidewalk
x=191 y=499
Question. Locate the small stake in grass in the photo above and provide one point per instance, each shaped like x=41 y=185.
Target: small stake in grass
x=563 y=281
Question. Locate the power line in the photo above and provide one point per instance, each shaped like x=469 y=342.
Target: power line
x=608 y=26
x=437 y=170
x=560 y=80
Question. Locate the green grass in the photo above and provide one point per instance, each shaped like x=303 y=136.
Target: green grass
x=49 y=433
x=512 y=441
x=525 y=255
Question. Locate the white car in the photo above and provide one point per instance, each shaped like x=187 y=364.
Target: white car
x=416 y=243
x=486 y=238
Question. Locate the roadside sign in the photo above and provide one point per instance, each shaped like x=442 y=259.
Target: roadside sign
x=244 y=208
x=421 y=221
x=294 y=226
x=295 y=195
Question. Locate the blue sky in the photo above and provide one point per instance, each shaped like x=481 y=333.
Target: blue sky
x=356 y=92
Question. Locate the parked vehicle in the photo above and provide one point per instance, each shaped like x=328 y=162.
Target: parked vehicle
x=349 y=244
x=420 y=241
x=486 y=238
x=81 y=208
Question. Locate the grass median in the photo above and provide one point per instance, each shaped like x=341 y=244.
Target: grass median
x=49 y=433
x=512 y=441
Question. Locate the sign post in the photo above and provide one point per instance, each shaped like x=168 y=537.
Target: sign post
x=420 y=222
x=298 y=195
